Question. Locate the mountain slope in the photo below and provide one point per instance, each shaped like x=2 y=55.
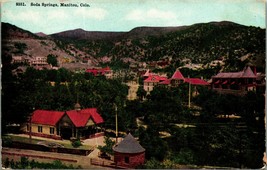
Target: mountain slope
x=197 y=44
x=80 y=34
x=229 y=43
x=19 y=42
x=10 y=31
x=40 y=34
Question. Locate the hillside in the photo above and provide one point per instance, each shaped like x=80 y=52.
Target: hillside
x=138 y=32
x=12 y=32
x=40 y=34
x=80 y=34
x=19 y=42
x=225 y=42
x=141 y=32
x=206 y=44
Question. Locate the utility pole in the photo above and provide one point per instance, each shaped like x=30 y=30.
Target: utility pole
x=30 y=129
x=116 y=117
x=30 y=134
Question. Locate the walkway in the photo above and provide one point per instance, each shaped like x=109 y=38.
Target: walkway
x=92 y=142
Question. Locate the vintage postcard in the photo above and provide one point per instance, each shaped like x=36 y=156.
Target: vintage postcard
x=149 y=84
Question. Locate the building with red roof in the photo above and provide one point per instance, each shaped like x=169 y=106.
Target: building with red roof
x=78 y=123
x=153 y=80
x=196 y=81
x=235 y=82
x=177 y=78
x=100 y=72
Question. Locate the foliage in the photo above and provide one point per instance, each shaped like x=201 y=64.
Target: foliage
x=185 y=157
x=238 y=140
x=76 y=143
x=33 y=89
x=24 y=163
x=6 y=163
x=108 y=147
x=52 y=59
x=155 y=146
x=21 y=47
x=158 y=108
x=153 y=164
x=7 y=141
x=141 y=93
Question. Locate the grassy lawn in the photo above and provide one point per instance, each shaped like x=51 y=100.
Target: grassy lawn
x=66 y=144
x=21 y=139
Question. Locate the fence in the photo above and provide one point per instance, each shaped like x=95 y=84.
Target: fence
x=105 y=163
x=37 y=147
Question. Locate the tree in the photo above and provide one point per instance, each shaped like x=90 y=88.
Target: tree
x=141 y=93
x=52 y=59
x=108 y=147
x=155 y=146
x=20 y=47
x=163 y=107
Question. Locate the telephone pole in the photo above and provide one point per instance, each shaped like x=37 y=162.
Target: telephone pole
x=116 y=117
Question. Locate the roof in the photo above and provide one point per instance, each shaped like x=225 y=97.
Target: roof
x=167 y=82
x=97 y=71
x=46 y=117
x=129 y=145
x=246 y=73
x=196 y=81
x=155 y=78
x=177 y=75
x=81 y=117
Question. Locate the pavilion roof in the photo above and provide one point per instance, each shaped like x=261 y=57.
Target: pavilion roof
x=129 y=145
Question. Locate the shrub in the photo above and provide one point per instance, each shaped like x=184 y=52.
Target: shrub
x=6 y=163
x=107 y=148
x=7 y=141
x=24 y=162
x=76 y=143
x=153 y=164
x=185 y=156
x=12 y=164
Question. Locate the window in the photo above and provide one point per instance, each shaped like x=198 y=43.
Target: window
x=40 y=129
x=126 y=159
x=52 y=130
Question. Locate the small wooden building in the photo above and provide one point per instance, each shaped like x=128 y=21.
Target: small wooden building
x=129 y=153
x=235 y=82
x=78 y=123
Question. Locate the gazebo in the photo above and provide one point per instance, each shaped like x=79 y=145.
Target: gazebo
x=129 y=153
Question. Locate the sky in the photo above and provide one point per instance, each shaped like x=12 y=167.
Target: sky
x=124 y=15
